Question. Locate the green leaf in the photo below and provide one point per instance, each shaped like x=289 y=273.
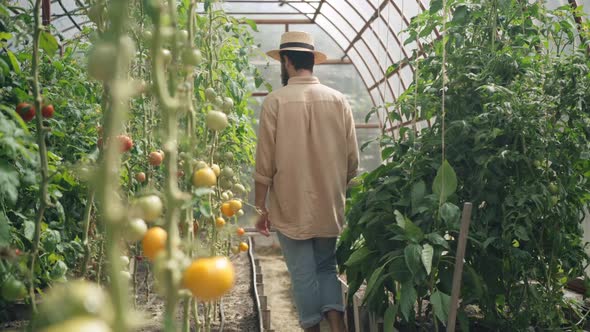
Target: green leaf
x=9 y=183
x=358 y=256
x=399 y=270
x=437 y=239
x=370 y=113
x=389 y=318
x=445 y=182
x=427 y=253
x=5 y=36
x=4 y=230
x=252 y=24
x=418 y=191
x=412 y=254
x=435 y=6
x=391 y=69
x=203 y=191
x=14 y=62
x=48 y=43
x=408 y=297
x=440 y=304
x=413 y=232
x=450 y=213
x=29 y=230
x=375 y=281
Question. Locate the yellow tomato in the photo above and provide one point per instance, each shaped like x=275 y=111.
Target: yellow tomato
x=204 y=177
x=235 y=205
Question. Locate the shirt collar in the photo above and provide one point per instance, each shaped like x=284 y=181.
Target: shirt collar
x=304 y=80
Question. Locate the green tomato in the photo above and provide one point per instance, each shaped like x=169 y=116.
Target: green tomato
x=226 y=184
x=227 y=172
x=216 y=120
x=229 y=156
x=210 y=94
x=182 y=36
x=13 y=289
x=151 y=207
x=554 y=200
x=537 y=163
x=77 y=324
x=135 y=230
x=166 y=55
x=147 y=36
x=553 y=188
x=239 y=189
x=218 y=101
x=101 y=61
x=228 y=105
x=192 y=57
x=73 y=299
x=124 y=260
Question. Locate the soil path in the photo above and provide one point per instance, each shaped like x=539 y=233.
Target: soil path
x=277 y=286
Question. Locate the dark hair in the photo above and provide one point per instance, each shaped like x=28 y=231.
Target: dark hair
x=300 y=60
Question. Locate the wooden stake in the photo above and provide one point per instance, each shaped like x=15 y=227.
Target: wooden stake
x=458 y=273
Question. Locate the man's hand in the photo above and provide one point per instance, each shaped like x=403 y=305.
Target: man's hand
x=263 y=224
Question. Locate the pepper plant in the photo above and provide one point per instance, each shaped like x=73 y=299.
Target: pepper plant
x=516 y=89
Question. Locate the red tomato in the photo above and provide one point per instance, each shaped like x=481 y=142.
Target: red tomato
x=47 y=111
x=26 y=111
x=155 y=158
x=125 y=143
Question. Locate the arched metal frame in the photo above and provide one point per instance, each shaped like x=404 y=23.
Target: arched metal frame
x=356 y=26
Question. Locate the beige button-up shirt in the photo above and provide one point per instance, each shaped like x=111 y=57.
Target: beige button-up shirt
x=307 y=153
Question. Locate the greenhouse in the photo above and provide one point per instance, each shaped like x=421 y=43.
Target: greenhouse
x=294 y=165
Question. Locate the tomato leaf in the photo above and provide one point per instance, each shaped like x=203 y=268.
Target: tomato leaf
x=29 y=230
x=13 y=62
x=408 y=296
x=9 y=183
x=48 y=43
x=4 y=230
x=252 y=24
x=445 y=182
x=440 y=304
x=427 y=253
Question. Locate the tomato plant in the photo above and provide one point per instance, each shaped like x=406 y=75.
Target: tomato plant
x=123 y=116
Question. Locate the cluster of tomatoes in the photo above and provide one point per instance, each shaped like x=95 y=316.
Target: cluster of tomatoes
x=27 y=111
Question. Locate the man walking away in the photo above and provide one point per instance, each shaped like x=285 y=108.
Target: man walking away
x=306 y=154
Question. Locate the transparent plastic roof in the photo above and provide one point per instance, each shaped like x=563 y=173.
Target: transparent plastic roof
x=368 y=33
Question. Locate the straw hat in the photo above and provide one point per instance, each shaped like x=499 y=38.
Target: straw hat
x=297 y=41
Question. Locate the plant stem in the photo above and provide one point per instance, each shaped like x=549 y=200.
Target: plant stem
x=87 y=215
x=43 y=192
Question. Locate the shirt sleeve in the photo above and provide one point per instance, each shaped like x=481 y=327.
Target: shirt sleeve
x=351 y=143
x=265 y=147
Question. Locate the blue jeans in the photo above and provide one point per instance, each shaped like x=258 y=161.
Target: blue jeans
x=314 y=281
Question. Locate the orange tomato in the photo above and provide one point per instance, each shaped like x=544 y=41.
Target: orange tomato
x=243 y=246
x=227 y=210
x=153 y=242
x=209 y=278
x=240 y=231
x=219 y=222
